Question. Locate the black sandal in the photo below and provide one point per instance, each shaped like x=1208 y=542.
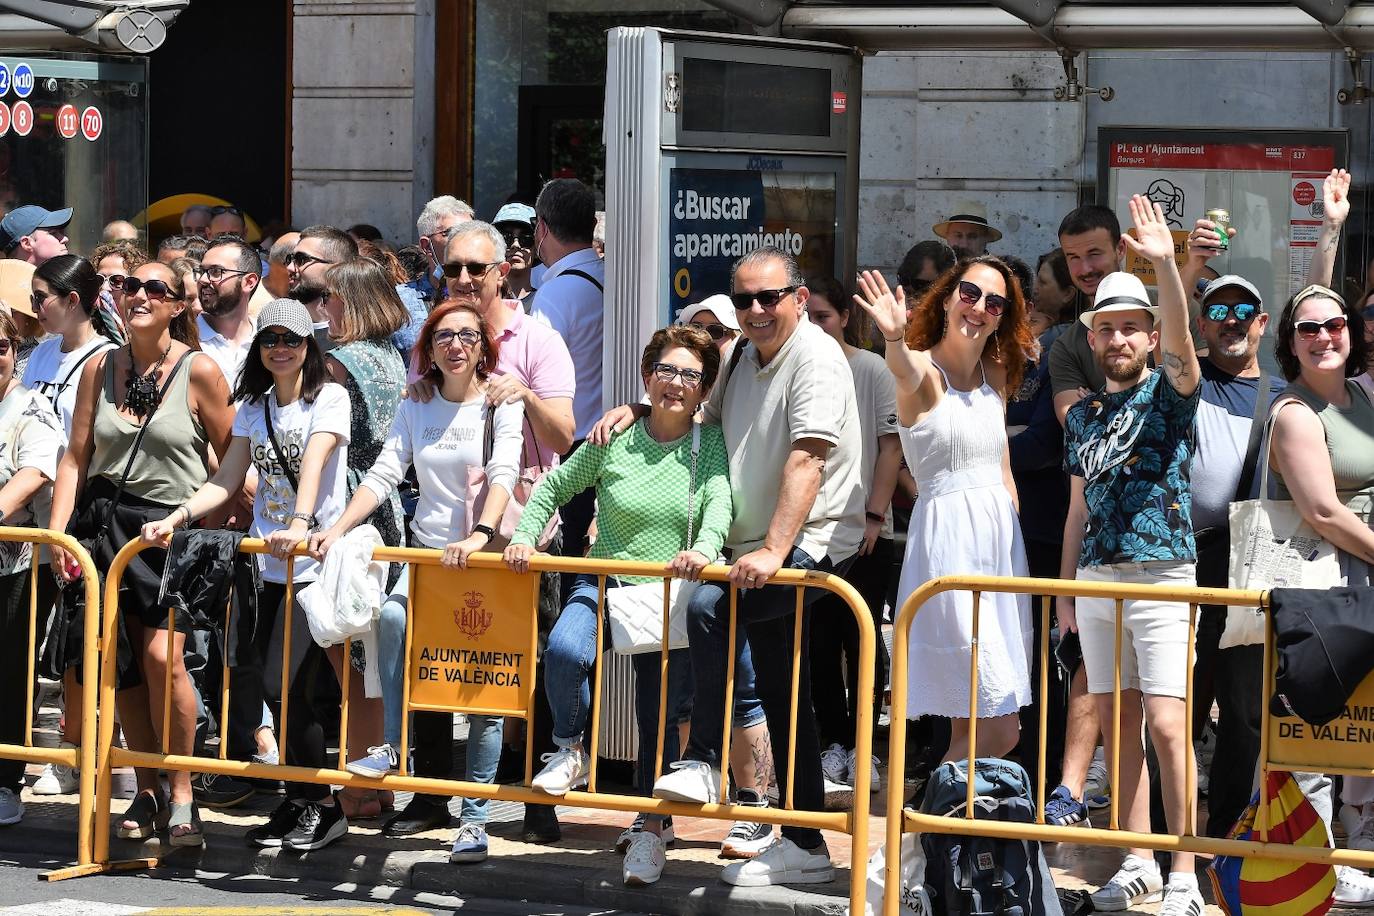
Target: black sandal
x=148 y=812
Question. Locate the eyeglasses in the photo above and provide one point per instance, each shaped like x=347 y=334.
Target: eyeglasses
x=717 y=331
x=993 y=304
x=115 y=280
x=519 y=238
x=301 y=260
x=476 y=269
x=269 y=340
x=215 y=273
x=764 y=297
x=1243 y=311
x=468 y=337
x=155 y=289
x=1309 y=329
x=232 y=211
x=37 y=299
x=667 y=372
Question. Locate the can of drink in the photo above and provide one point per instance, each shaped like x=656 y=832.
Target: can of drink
x=1223 y=220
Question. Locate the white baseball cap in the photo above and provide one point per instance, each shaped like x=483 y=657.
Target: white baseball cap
x=1120 y=292
x=718 y=305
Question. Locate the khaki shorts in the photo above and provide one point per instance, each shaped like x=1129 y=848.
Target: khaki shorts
x=1154 y=634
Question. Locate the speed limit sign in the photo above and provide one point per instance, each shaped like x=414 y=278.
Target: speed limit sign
x=66 y=121
x=22 y=118
x=92 y=123
x=4 y=119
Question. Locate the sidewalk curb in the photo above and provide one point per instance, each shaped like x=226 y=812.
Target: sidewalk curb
x=372 y=861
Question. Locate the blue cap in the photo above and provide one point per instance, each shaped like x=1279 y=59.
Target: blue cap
x=24 y=220
x=514 y=213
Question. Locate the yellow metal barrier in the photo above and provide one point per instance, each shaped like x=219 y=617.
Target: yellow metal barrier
x=853 y=822
x=85 y=755
x=900 y=819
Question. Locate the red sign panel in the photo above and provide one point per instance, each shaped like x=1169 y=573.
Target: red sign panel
x=1231 y=156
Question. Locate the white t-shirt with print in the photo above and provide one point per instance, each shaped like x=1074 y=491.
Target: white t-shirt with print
x=29 y=438
x=294 y=424
x=56 y=375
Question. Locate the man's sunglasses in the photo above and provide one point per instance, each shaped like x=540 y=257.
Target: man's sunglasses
x=302 y=260
x=271 y=339
x=468 y=337
x=519 y=238
x=1309 y=329
x=476 y=269
x=764 y=297
x=666 y=372
x=993 y=304
x=1243 y=311
x=155 y=289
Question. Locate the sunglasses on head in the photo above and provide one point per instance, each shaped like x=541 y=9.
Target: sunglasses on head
x=764 y=297
x=156 y=289
x=476 y=269
x=666 y=372
x=1243 y=311
x=271 y=339
x=970 y=293
x=468 y=337
x=716 y=331
x=1308 y=329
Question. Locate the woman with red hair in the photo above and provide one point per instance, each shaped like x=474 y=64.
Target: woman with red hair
x=965 y=347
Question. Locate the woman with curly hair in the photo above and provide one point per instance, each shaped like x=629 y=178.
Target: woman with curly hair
x=964 y=348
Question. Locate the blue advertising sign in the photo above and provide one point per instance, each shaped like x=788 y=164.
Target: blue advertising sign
x=23 y=80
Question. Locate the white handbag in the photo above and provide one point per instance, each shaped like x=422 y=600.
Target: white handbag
x=1272 y=546
x=636 y=611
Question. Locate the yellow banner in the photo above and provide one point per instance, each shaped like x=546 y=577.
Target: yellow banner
x=473 y=640
x=1347 y=741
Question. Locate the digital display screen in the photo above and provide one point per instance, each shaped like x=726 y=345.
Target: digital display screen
x=723 y=96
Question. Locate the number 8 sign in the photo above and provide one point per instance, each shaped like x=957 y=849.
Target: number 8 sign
x=66 y=121
x=22 y=118
x=92 y=123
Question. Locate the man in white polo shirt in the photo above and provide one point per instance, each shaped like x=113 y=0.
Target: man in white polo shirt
x=786 y=405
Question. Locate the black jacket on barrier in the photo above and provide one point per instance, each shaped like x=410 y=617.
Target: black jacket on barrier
x=1325 y=644
x=203 y=573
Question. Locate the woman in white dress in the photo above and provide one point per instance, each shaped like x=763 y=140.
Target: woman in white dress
x=966 y=344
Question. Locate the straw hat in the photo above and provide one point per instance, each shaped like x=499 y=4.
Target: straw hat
x=971 y=212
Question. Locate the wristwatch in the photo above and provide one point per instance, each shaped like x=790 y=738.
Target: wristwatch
x=489 y=531
x=311 y=521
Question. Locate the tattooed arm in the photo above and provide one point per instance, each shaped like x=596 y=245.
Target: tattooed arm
x=1335 y=209
x=1153 y=241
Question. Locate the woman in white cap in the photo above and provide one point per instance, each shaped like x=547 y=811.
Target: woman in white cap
x=515 y=222
x=966 y=346
x=293 y=426
x=716 y=316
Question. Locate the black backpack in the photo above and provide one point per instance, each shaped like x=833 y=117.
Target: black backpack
x=985 y=876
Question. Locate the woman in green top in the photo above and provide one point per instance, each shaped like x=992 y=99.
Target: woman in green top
x=642 y=480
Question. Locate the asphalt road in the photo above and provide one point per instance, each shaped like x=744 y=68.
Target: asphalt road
x=207 y=893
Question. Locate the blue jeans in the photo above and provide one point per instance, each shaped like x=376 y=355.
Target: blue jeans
x=484 y=732
x=769 y=615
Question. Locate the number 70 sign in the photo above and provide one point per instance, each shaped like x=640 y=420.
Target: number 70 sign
x=89 y=122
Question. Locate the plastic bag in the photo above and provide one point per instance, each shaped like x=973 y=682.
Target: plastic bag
x=914 y=900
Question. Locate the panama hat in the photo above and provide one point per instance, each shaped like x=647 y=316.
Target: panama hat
x=1120 y=292
x=967 y=211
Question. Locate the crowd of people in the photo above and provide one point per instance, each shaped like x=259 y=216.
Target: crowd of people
x=322 y=388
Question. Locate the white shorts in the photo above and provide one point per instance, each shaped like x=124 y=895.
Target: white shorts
x=1154 y=634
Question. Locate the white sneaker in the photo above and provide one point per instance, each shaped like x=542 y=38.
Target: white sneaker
x=57 y=779
x=627 y=836
x=11 y=808
x=747 y=839
x=644 y=860
x=1362 y=836
x=1181 y=900
x=564 y=770
x=875 y=780
x=690 y=781
x=1137 y=881
x=784 y=862
x=1353 y=888
x=835 y=764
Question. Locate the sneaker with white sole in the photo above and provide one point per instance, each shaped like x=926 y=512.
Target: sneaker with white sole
x=875 y=779
x=835 y=764
x=644 y=860
x=1354 y=888
x=692 y=781
x=380 y=761
x=1137 y=881
x=747 y=839
x=318 y=826
x=11 y=808
x=1182 y=900
x=627 y=835
x=57 y=779
x=470 y=845
x=784 y=862
x=564 y=770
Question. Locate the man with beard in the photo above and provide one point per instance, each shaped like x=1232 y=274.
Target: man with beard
x=227 y=278
x=1128 y=450
x=318 y=249
x=1091 y=239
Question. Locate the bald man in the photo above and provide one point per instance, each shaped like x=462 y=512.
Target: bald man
x=119 y=229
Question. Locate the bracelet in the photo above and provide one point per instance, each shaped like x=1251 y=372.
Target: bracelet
x=311 y=522
x=875 y=517
x=488 y=530
x=894 y=339
x=182 y=508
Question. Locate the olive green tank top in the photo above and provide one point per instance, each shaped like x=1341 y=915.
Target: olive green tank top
x=1349 y=440
x=171 y=463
